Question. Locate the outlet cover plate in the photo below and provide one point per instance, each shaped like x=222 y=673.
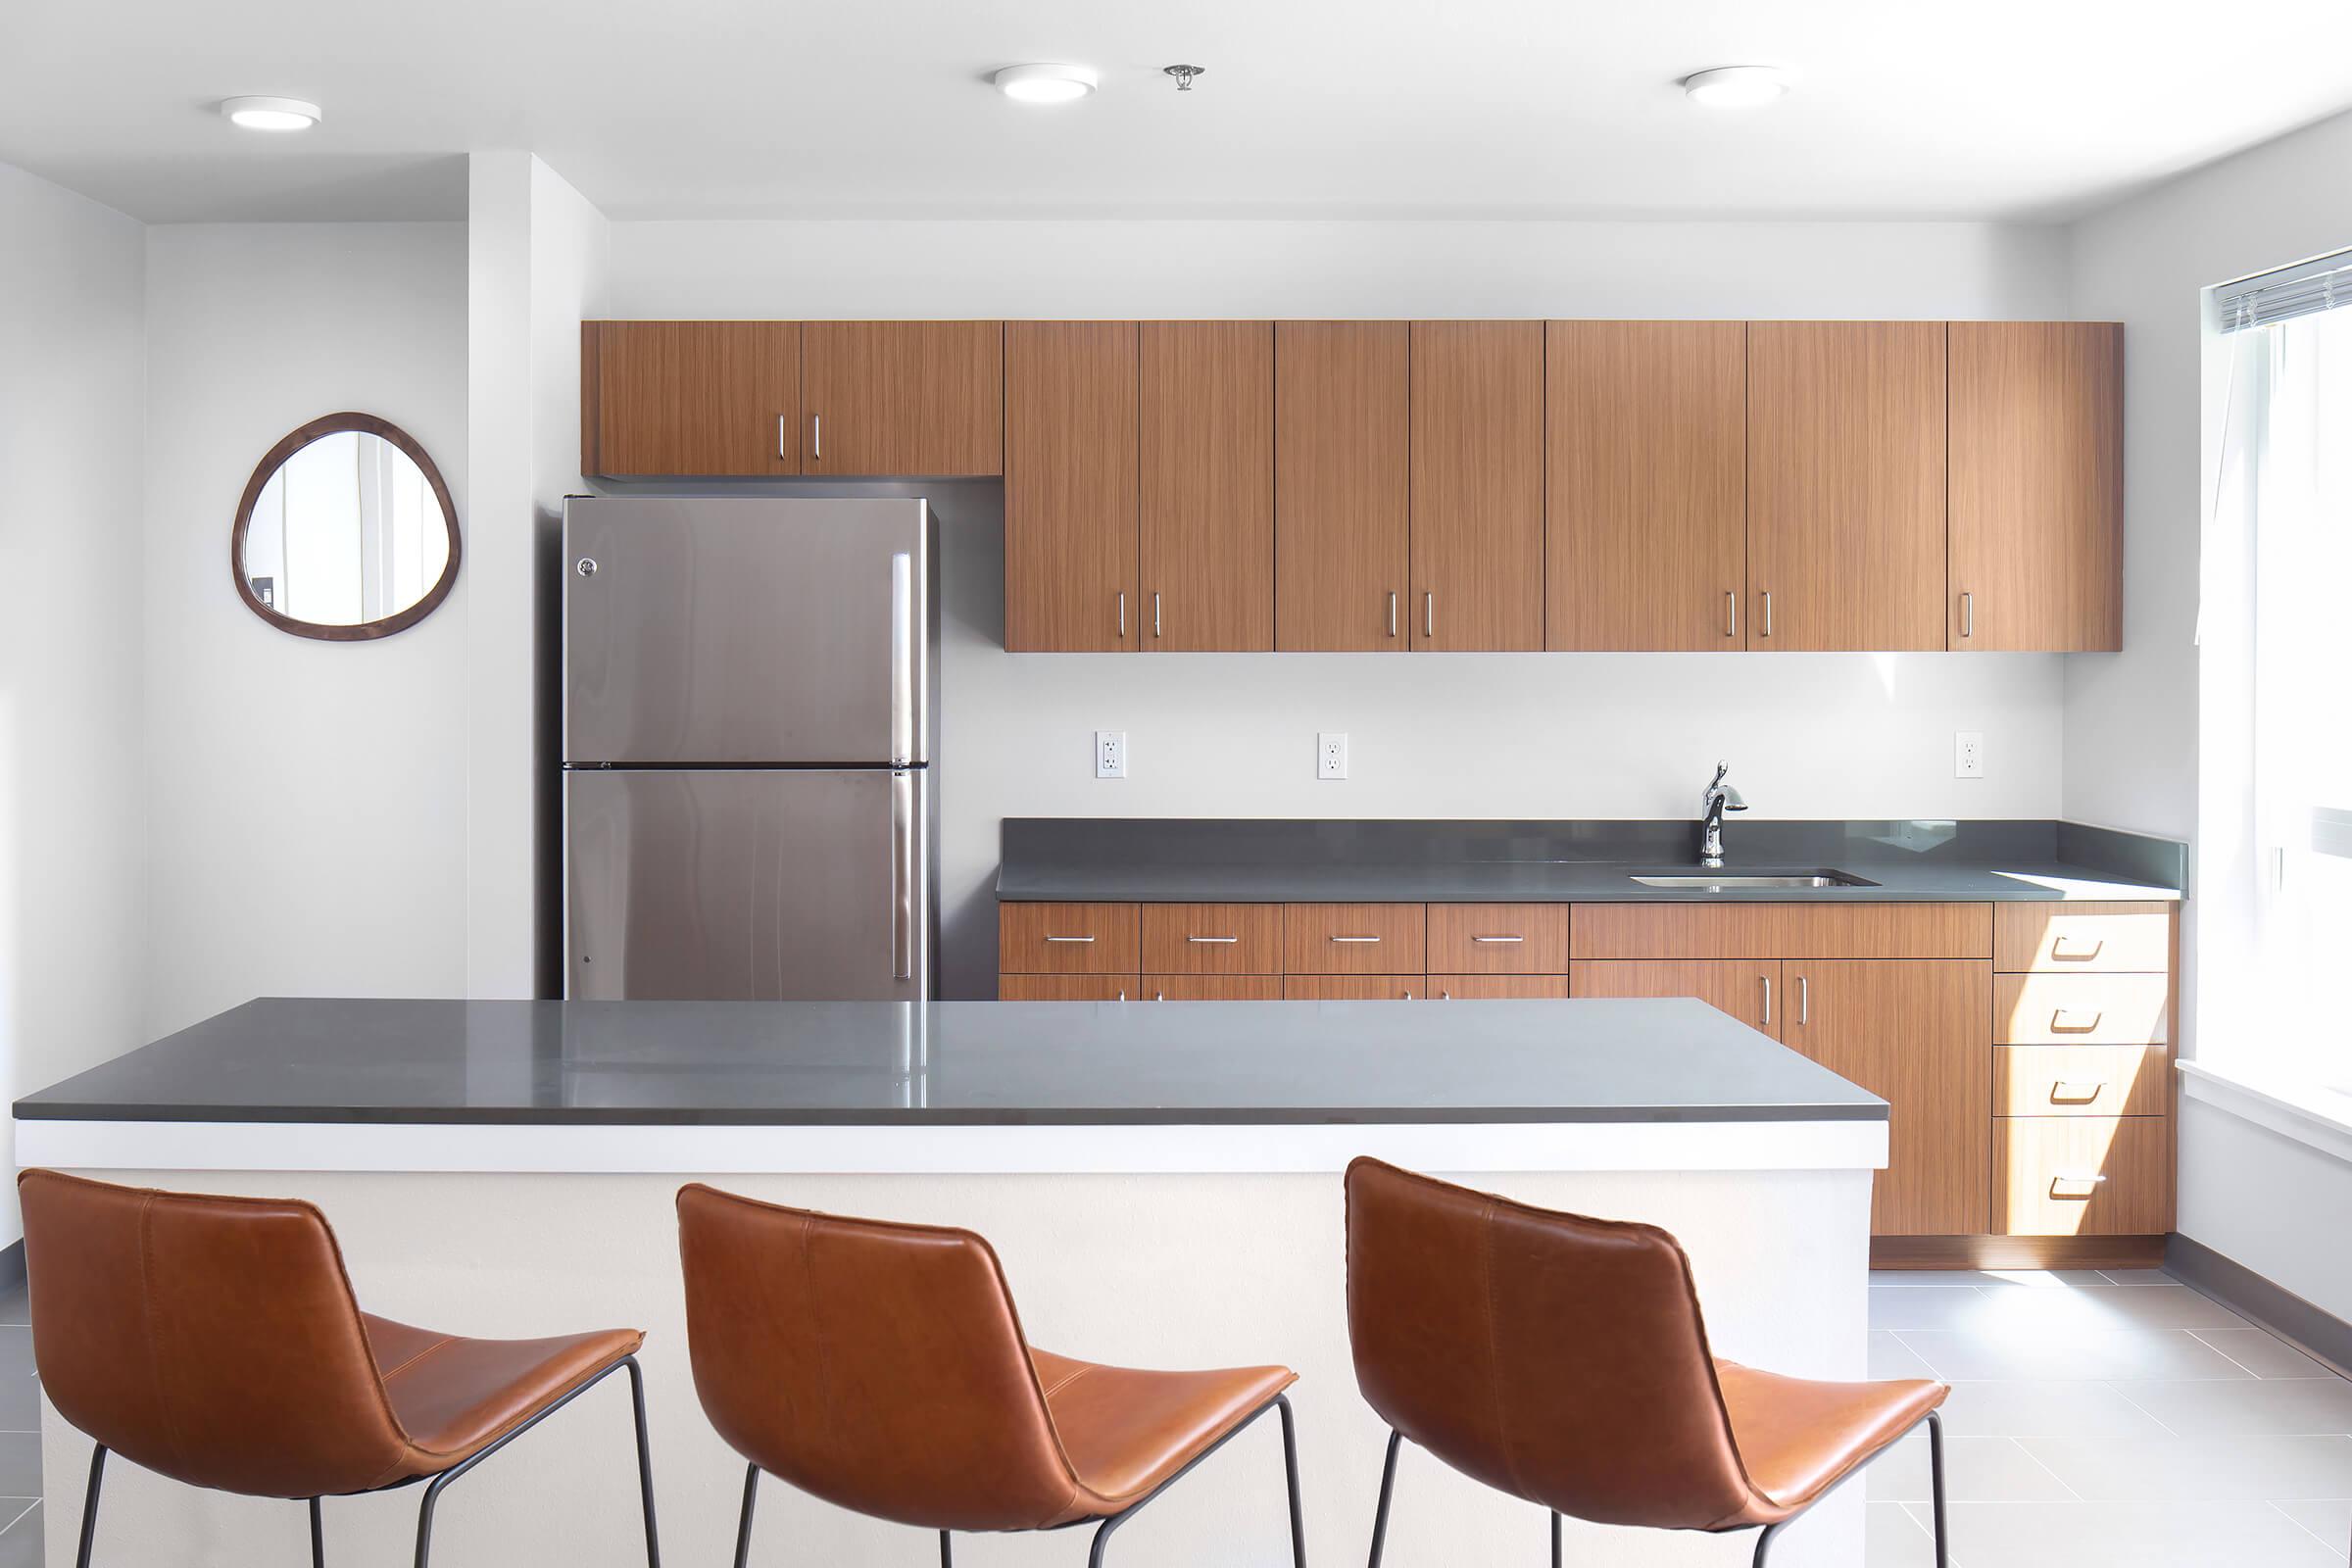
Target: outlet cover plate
x=1968 y=753
x=1331 y=755
x=1111 y=754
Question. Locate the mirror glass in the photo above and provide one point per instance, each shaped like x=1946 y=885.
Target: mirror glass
x=347 y=534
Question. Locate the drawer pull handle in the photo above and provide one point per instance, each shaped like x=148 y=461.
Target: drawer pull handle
x=1159 y=995
x=1069 y=939
x=2063 y=1187
x=1498 y=939
x=1356 y=939
x=2060 y=1026
x=1444 y=995
x=2063 y=1093
x=2059 y=953
x=1409 y=995
x=1212 y=938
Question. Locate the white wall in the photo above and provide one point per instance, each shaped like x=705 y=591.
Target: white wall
x=2131 y=718
x=1464 y=735
x=73 y=947
x=305 y=800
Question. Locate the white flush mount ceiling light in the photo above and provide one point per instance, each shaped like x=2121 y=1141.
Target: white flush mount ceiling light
x=1735 y=87
x=270 y=114
x=1048 y=83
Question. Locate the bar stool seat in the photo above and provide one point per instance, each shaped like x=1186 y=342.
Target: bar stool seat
x=455 y=1397
x=1798 y=1438
x=1126 y=1431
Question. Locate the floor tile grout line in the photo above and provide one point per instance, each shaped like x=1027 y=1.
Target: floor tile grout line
x=1914 y=1349
x=2299 y=1523
x=2125 y=1395
x=36 y=1504
x=2053 y=1474
x=1927 y=1526
x=2232 y=1359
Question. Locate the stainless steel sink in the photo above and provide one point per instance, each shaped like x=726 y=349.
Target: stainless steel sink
x=1716 y=881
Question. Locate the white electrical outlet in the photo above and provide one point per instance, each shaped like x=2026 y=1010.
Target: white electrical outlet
x=1331 y=755
x=1111 y=754
x=1968 y=753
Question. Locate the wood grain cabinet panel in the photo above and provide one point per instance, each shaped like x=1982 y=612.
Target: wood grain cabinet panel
x=904 y=398
x=2080 y=1081
x=1207 y=455
x=1342 y=456
x=690 y=398
x=2037 y=438
x=1647 y=512
x=1066 y=939
x=1211 y=988
x=1355 y=988
x=1070 y=487
x=2082 y=938
x=1064 y=987
x=1477 y=484
x=1780 y=931
x=2087 y=1009
x=1497 y=988
x=1748 y=990
x=1212 y=937
x=1498 y=938
x=1354 y=939
x=1911 y=1032
x=2082 y=1176
x=1845 y=484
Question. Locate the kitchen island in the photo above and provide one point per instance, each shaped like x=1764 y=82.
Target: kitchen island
x=1161 y=1181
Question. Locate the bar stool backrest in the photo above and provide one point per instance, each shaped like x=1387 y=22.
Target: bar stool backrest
x=1557 y=1359
x=212 y=1340
x=878 y=1366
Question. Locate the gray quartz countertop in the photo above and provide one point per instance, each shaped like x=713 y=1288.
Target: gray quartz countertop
x=1154 y=861
x=734 y=1064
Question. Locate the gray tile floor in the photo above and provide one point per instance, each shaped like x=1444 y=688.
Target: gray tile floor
x=19 y=1438
x=2100 y=1419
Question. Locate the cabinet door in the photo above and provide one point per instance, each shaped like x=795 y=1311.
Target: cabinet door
x=1497 y=988
x=1343 y=454
x=2036 y=485
x=1208 y=454
x=1912 y=1032
x=1211 y=988
x=917 y=398
x=690 y=398
x=1478 y=485
x=1748 y=990
x=1355 y=988
x=1067 y=939
x=1845 y=472
x=1646 y=517
x=1064 y=987
x=1071 y=486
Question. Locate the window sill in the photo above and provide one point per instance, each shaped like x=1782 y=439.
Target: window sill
x=2311 y=1114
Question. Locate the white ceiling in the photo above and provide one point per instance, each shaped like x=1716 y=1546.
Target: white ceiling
x=2022 y=109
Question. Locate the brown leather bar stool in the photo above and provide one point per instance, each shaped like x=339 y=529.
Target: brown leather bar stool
x=1563 y=1360
x=215 y=1340
x=882 y=1368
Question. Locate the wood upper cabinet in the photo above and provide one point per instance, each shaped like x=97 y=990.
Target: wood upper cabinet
x=1477 y=482
x=1646 y=510
x=1343 y=454
x=1207 y=456
x=1912 y=1032
x=1845 y=485
x=1070 y=487
x=2036 y=485
x=922 y=398
x=690 y=398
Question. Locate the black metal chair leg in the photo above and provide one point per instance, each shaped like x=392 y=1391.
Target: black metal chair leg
x=946 y=1554
x=1556 y=1540
x=645 y=1463
x=1935 y=1473
x=1094 y=1557
x=1387 y=1484
x=318 y=1536
x=1764 y=1544
x=1289 y=1473
x=89 y=1507
x=743 y=1531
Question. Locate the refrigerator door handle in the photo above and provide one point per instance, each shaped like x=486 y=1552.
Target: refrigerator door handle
x=901 y=876
x=902 y=659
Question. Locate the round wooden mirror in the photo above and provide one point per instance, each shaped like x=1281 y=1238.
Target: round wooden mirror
x=346 y=532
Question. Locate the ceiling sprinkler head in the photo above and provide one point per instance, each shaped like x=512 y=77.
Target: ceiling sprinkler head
x=1184 y=75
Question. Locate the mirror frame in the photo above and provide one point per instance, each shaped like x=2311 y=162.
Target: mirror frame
x=365 y=630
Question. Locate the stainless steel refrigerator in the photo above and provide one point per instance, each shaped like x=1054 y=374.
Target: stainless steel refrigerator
x=751 y=804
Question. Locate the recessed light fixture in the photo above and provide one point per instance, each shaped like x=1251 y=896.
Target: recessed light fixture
x=1735 y=87
x=270 y=114
x=1048 y=83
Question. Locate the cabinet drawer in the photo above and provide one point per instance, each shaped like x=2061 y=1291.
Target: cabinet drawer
x=2085 y=1009
x=1355 y=988
x=1212 y=937
x=1498 y=938
x=2079 y=1081
x=1741 y=988
x=1064 y=988
x=2082 y=1175
x=1499 y=986
x=1355 y=938
x=2104 y=938
x=1066 y=939
x=1781 y=931
x=1211 y=988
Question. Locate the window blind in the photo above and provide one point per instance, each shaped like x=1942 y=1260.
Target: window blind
x=2325 y=284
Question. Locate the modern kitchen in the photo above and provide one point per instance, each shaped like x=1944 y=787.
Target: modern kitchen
x=1195 y=790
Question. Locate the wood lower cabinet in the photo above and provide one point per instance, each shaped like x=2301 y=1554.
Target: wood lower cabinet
x=1661 y=930
x=690 y=398
x=1212 y=937
x=1064 y=988
x=1067 y=939
x=2082 y=938
x=1498 y=938
x=1647 y=439
x=1477 y=486
x=1912 y=1032
x=914 y=397
x=2080 y=1081
x=2082 y=1176
x=1211 y=988
x=1497 y=988
x=1749 y=990
x=1355 y=988
x=1354 y=939
x=1072 y=579
x=1343 y=485
x=1206 y=451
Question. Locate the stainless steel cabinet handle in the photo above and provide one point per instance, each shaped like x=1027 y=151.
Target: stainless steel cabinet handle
x=2063 y=1093
x=1156 y=613
x=2087 y=1181
x=783 y=436
x=902 y=659
x=1498 y=939
x=2058 y=952
x=2059 y=1025
x=1429 y=615
x=1122 y=613
x=816 y=438
x=1804 y=1000
x=1356 y=939
x=1968 y=614
x=1122 y=994
x=1392 y=614
x=1767 y=979
x=1767 y=612
x=901 y=876
x=1069 y=939
x=1159 y=995
x=1409 y=995
x=1444 y=995
x=1731 y=612
x=1212 y=938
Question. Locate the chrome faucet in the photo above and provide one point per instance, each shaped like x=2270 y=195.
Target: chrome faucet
x=1718 y=799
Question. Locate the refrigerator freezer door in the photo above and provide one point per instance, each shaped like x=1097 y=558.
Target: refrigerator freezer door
x=718 y=884
x=747 y=631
